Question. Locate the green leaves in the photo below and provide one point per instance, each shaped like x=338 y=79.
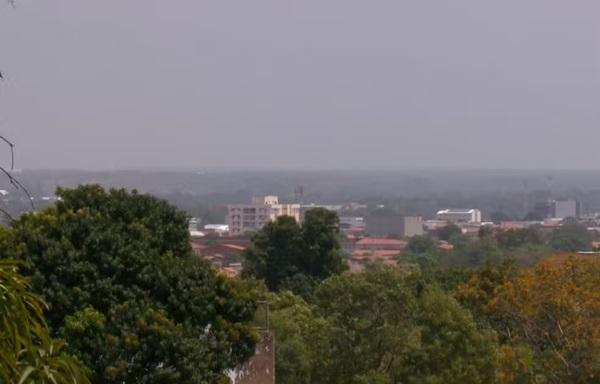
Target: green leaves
x=125 y=290
x=381 y=326
x=27 y=353
x=286 y=254
x=571 y=237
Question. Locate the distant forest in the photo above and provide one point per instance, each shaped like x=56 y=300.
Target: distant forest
x=508 y=194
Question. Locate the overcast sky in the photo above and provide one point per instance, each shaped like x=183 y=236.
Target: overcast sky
x=301 y=83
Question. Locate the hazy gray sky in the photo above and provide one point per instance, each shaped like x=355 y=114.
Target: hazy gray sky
x=303 y=84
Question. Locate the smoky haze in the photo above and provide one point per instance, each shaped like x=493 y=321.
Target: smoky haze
x=301 y=84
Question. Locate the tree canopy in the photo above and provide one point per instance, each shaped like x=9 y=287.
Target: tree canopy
x=380 y=326
x=553 y=310
x=571 y=237
x=126 y=292
x=285 y=253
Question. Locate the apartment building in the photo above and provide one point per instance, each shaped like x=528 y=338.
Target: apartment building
x=558 y=209
x=561 y=209
x=243 y=218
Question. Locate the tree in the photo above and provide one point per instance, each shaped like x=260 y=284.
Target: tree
x=275 y=252
x=389 y=326
x=474 y=253
x=421 y=244
x=477 y=293
x=27 y=352
x=302 y=340
x=321 y=235
x=552 y=313
x=485 y=231
x=515 y=238
x=571 y=237
x=382 y=326
x=284 y=253
x=126 y=291
x=449 y=232
x=452 y=348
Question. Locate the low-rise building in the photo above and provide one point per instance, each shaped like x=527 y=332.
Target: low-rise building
x=360 y=259
x=508 y=225
x=434 y=225
x=352 y=224
x=460 y=215
x=379 y=244
x=394 y=225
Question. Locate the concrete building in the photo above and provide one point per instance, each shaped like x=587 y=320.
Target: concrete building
x=243 y=218
x=557 y=209
x=352 y=224
x=460 y=215
x=561 y=209
x=394 y=225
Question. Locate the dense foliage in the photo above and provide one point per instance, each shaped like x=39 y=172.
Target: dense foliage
x=27 y=352
x=495 y=309
x=547 y=317
x=126 y=292
x=500 y=325
x=286 y=254
x=381 y=326
x=134 y=305
x=525 y=246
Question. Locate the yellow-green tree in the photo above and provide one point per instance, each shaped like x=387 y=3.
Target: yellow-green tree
x=553 y=310
x=547 y=318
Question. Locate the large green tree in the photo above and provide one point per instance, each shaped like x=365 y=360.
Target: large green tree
x=285 y=254
x=380 y=326
x=126 y=292
x=389 y=322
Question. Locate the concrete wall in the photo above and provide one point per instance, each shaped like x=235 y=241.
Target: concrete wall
x=260 y=369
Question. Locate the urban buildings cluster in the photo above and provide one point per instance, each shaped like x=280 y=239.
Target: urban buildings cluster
x=366 y=239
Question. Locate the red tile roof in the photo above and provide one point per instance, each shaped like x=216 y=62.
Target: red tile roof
x=380 y=241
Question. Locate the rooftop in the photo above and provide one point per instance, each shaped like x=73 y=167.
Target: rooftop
x=456 y=211
x=380 y=241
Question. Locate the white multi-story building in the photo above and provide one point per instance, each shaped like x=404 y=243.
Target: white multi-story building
x=460 y=215
x=243 y=218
